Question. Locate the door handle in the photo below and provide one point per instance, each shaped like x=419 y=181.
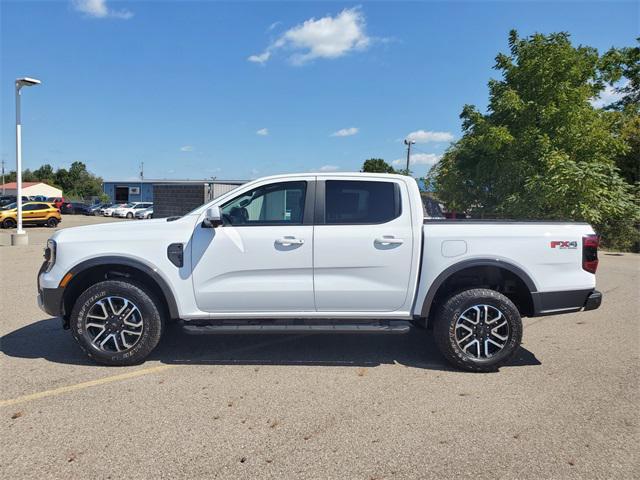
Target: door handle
x=389 y=240
x=289 y=241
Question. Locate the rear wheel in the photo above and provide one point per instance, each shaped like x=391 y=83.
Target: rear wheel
x=52 y=222
x=478 y=330
x=117 y=322
x=9 y=223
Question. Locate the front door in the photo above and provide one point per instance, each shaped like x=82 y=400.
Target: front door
x=363 y=244
x=261 y=259
x=30 y=212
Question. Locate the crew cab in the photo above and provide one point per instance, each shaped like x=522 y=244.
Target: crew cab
x=317 y=253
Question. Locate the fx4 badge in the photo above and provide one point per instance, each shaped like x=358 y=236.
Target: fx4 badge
x=563 y=244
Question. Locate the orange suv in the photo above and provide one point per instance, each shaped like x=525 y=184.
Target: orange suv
x=38 y=213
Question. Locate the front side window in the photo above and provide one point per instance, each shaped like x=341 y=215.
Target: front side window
x=361 y=202
x=273 y=204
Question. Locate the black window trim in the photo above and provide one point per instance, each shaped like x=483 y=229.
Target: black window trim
x=307 y=215
x=321 y=191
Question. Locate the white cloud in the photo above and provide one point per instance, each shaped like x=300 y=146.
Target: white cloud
x=607 y=96
x=345 y=132
x=423 y=136
x=328 y=168
x=261 y=59
x=99 y=9
x=273 y=25
x=428 y=159
x=263 y=132
x=326 y=37
x=187 y=148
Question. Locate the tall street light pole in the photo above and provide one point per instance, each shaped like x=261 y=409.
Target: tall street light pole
x=20 y=237
x=408 y=143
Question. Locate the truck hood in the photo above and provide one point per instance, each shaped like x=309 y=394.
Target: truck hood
x=128 y=231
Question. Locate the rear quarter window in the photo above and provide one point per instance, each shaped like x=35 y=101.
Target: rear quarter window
x=361 y=202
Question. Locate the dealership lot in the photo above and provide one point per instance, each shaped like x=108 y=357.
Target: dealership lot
x=366 y=407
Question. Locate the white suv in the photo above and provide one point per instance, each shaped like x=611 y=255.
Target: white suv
x=129 y=210
x=108 y=211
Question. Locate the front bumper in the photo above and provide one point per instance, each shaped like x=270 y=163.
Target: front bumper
x=50 y=299
x=555 y=303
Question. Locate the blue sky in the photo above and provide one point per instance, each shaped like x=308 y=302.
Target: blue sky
x=246 y=89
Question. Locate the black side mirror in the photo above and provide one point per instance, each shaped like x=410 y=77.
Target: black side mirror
x=212 y=218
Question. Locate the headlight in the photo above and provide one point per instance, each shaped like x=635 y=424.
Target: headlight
x=50 y=254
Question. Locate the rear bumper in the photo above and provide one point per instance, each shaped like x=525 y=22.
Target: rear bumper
x=555 y=303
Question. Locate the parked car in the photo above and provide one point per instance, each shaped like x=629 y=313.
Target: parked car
x=78 y=208
x=130 y=209
x=317 y=253
x=37 y=198
x=144 y=213
x=33 y=213
x=8 y=199
x=108 y=211
x=61 y=204
x=95 y=209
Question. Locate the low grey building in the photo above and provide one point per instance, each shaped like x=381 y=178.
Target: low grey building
x=169 y=197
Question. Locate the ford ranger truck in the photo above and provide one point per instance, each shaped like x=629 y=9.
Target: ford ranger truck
x=317 y=253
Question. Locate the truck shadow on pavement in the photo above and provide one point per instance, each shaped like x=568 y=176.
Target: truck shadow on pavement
x=46 y=339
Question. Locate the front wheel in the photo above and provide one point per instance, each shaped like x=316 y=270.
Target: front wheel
x=129 y=215
x=478 y=330
x=117 y=322
x=52 y=222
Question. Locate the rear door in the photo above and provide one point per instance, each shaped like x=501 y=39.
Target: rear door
x=261 y=259
x=363 y=245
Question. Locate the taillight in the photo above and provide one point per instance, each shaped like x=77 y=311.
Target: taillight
x=590 y=253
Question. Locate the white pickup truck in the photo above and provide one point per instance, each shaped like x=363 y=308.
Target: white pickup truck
x=317 y=253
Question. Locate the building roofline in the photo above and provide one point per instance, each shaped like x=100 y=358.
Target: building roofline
x=166 y=180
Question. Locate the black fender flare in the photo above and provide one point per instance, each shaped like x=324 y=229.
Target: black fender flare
x=476 y=262
x=138 y=265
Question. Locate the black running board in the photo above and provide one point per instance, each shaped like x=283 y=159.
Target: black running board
x=296 y=326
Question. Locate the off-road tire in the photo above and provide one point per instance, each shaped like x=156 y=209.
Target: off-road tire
x=445 y=329
x=152 y=317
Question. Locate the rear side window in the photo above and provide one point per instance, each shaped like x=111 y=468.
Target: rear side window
x=361 y=202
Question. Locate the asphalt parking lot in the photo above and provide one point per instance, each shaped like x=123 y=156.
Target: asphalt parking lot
x=341 y=407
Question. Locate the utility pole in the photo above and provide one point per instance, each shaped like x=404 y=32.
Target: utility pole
x=408 y=143
x=141 y=178
x=3 y=176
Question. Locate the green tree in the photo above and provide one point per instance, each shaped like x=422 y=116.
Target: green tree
x=81 y=183
x=377 y=165
x=620 y=63
x=77 y=182
x=542 y=150
x=623 y=65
